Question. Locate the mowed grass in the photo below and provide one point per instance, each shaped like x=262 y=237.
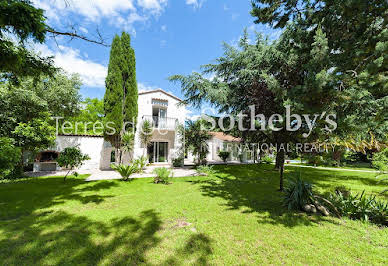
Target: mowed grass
x=233 y=217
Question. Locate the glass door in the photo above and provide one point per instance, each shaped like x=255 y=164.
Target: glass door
x=162 y=151
x=158 y=152
x=162 y=117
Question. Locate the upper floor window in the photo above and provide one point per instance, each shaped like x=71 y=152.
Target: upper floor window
x=159 y=102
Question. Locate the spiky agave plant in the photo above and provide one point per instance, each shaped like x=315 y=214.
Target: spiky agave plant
x=298 y=193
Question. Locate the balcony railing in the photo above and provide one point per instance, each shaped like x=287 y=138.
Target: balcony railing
x=161 y=122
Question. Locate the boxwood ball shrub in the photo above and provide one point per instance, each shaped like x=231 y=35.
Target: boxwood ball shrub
x=224 y=155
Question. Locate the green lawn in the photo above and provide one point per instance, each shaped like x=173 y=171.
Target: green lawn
x=234 y=217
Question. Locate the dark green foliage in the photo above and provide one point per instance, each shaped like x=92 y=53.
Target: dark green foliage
x=297 y=194
x=120 y=100
x=25 y=22
x=224 y=155
x=360 y=206
x=9 y=156
x=178 y=162
x=34 y=135
x=128 y=72
x=163 y=175
x=196 y=138
x=380 y=160
x=113 y=99
x=71 y=158
x=339 y=49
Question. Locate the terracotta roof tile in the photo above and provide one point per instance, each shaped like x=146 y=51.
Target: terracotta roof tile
x=224 y=137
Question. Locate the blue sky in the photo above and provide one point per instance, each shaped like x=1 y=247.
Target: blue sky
x=168 y=36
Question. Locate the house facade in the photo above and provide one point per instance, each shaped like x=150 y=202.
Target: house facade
x=161 y=108
x=165 y=113
x=220 y=141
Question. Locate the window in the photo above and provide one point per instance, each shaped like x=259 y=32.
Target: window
x=113 y=156
x=159 y=102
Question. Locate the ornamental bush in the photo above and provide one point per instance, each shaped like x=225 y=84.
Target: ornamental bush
x=224 y=155
x=71 y=158
x=163 y=174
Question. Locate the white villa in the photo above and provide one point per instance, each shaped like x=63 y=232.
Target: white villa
x=165 y=113
x=158 y=106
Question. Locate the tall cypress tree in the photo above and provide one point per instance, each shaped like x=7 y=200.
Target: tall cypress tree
x=120 y=100
x=128 y=71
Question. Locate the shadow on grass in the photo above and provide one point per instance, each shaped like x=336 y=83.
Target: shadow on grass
x=35 y=194
x=31 y=234
x=254 y=189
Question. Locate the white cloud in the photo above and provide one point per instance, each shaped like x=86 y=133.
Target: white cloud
x=92 y=74
x=163 y=28
x=83 y=29
x=142 y=87
x=120 y=13
x=195 y=3
x=153 y=5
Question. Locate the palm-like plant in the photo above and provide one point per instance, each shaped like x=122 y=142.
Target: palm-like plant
x=146 y=134
x=125 y=170
x=141 y=163
x=128 y=142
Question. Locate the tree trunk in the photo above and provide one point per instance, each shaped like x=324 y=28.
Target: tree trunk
x=64 y=178
x=281 y=187
x=279 y=164
x=279 y=159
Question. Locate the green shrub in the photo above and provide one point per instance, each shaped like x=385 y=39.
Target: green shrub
x=224 y=155
x=163 y=174
x=360 y=207
x=297 y=194
x=314 y=159
x=266 y=159
x=125 y=170
x=141 y=163
x=380 y=160
x=205 y=170
x=71 y=158
x=10 y=156
x=178 y=162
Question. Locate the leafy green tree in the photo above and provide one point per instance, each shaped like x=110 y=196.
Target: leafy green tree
x=35 y=135
x=71 y=157
x=196 y=140
x=245 y=76
x=120 y=100
x=61 y=92
x=351 y=71
x=9 y=156
x=22 y=23
x=91 y=113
